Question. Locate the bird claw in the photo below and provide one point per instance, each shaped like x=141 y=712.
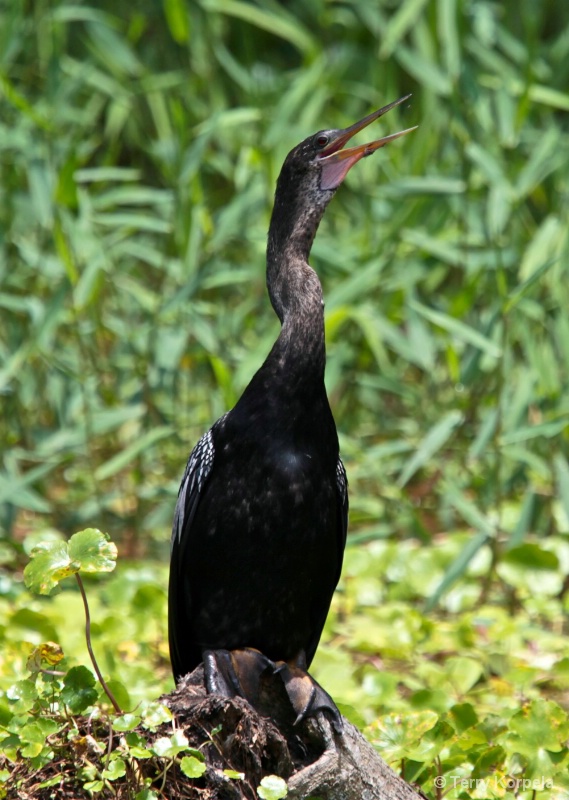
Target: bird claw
x=240 y=673
x=306 y=696
x=235 y=673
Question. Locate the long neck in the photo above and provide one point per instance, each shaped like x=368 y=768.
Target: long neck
x=294 y=288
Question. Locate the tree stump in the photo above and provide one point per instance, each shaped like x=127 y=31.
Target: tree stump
x=314 y=760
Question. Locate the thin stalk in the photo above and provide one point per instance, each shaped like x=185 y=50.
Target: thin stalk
x=90 y=648
x=110 y=745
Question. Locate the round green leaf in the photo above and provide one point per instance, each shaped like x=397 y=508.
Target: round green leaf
x=192 y=767
x=116 y=769
x=489 y=761
x=139 y=752
x=33 y=735
x=162 y=747
x=50 y=563
x=31 y=750
x=146 y=794
x=43 y=536
x=137 y=746
x=48 y=726
x=126 y=722
x=170 y=746
x=78 y=691
x=93 y=551
x=24 y=694
x=155 y=714
x=94 y=786
x=395 y=734
x=272 y=788
x=541 y=724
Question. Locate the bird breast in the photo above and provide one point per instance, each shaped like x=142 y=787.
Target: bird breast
x=292 y=468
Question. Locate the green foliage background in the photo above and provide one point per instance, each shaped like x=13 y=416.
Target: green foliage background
x=139 y=148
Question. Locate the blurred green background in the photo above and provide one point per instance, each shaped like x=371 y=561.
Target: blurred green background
x=139 y=148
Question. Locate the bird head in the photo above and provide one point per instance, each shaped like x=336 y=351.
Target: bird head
x=322 y=155
x=334 y=162
x=310 y=175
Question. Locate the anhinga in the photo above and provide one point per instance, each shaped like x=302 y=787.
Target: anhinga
x=261 y=518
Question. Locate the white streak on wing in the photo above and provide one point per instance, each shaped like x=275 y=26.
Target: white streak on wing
x=197 y=470
x=342 y=481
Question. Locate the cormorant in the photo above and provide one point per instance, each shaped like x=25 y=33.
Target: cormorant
x=260 y=523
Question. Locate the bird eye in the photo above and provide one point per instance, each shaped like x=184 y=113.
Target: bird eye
x=322 y=140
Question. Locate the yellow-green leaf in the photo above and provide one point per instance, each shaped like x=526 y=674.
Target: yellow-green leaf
x=93 y=551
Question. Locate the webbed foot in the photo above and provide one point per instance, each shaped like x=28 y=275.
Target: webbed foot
x=236 y=673
x=247 y=673
x=306 y=696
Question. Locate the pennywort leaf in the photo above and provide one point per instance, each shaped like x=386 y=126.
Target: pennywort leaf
x=87 y=551
x=272 y=788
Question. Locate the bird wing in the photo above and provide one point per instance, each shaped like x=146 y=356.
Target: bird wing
x=342 y=489
x=183 y=653
x=342 y=486
x=321 y=612
x=196 y=473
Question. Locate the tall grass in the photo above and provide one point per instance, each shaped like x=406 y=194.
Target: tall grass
x=139 y=146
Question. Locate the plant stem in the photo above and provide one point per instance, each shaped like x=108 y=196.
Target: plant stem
x=90 y=648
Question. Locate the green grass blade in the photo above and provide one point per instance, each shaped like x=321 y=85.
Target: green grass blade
x=430 y=445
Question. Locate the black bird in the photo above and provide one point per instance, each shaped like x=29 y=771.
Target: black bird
x=261 y=518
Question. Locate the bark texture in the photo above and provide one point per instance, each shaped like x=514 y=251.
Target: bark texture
x=315 y=761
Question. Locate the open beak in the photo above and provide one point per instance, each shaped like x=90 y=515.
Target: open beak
x=336 y=162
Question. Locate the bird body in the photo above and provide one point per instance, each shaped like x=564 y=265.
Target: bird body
x=261 y=518
x=268 y=585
